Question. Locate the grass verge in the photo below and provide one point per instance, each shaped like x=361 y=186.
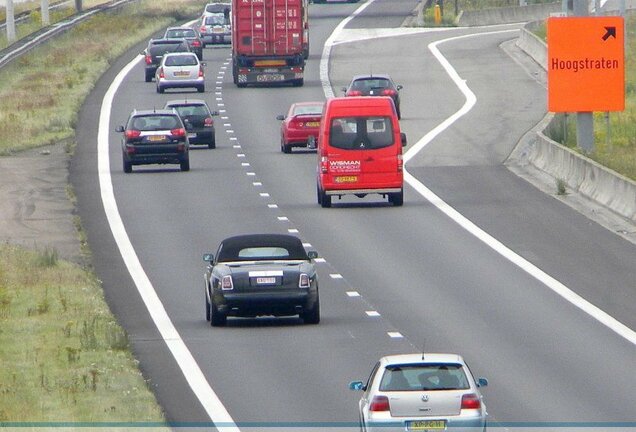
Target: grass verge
x=64 y=357
x=614 y=146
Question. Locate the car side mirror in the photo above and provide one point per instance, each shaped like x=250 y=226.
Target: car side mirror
x=403 y=139
x=208 y=257
x=399 y=87
x=280 y=117
x=312 y=254
x=119 y=129
x=356 y=385
x=482 y=382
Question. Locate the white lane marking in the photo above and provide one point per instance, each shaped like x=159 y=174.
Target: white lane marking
x=241 y=155
x=353 y=294
x=171 y=337
x=272 y=206
x=307 y=245
x=227 y=124
x=230 y=131
x=257 y=184
x=395 y=335
x=293 y=231
x=556 y=286
x=222 y=112
x=251 y=174
x=234 y=139
x=236 y=146
x=373 y=313
x=264 y=194
x=335 y=276
x=283 y=218
x=220 y=104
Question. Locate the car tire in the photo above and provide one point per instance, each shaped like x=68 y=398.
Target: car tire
x=208 y=312
x=397 y=199
x=127 y=166
x=185 y=164
x=212 y=144
x=217 y=319
x=312 y=316
x=298 y=82
x=160 y=89
x=285 y=148
x=201 y=89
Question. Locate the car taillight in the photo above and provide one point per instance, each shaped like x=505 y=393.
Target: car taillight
x=208 y=122
x=179 y=132
x=324 y=164
x=132 y=133
x=226 y=283
x=471 y=401
x=380 y=403
x=296 y=124
x=304 y=281
x=354 y=93
x=148 y=59
x=196 y=43
x=202 y=29
x=388 y=92
x=400 y=166
x=161 y=74
x=200 y=72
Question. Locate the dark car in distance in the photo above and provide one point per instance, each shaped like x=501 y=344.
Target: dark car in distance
x=197 y=119
x=375 y=85
x=154 y=137
x=190 y=35
x=261 y=274
x=156 y=49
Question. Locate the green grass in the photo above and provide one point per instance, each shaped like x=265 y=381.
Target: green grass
x=64 y=357
x=618 y=150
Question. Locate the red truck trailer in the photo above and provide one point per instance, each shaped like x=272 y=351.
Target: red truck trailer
x=268 y=37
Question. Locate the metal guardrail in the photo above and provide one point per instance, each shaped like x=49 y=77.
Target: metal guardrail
x=25 y=14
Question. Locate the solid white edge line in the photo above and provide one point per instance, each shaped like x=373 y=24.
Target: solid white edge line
x=188 y=365
x=556 y=286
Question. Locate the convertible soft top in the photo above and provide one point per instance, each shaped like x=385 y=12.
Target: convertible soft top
x=232 y=246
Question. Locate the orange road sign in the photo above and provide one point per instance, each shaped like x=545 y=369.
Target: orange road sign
x=586 y=64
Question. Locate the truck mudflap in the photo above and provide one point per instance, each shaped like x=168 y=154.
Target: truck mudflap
x=278 y=76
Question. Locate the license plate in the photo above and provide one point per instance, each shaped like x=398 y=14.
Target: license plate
x=265 y=280
x=192 y=135
x=156 y=138
x=217 y=30
x=312 y=124
x=182 y=74
x=270 y=78
x=426 y=425
x=346 y=179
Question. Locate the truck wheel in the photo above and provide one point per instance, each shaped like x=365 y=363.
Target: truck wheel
x=325 y=200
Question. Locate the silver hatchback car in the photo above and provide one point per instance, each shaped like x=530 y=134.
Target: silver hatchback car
x=180 y=70
x=421 y=392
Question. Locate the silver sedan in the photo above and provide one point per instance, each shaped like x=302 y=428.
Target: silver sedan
x=421 y=392
x=180 y=70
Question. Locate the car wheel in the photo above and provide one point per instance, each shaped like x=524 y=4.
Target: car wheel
x=298 y=82
x=312 y=316
x=217 y=319
x=127 y=166
x=201 y=89
x=185 y=164
x=160 y=89
x=212 y=144
x=285 y=148
x=208 y=313
x=397 y=199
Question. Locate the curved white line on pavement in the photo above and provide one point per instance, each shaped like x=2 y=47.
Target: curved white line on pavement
x=191 y=371
x=556 y=286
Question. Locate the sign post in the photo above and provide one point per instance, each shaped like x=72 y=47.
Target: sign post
x=586 y=69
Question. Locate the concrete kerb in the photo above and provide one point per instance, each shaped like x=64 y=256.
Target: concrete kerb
x=594 y=181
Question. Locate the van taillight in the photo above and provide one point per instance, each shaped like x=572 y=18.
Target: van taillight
x=400 y=165
x=471 y=401
x=324 y=164
x=380 y=403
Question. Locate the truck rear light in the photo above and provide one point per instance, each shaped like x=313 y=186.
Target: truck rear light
x=379 y=403
x=471 y=401
x=148 y=59
x=226 y=283
x=132 y=133
x=208 y=122
x=304 y=281
x=354 y=93
x=324 y=164
x=243 y=70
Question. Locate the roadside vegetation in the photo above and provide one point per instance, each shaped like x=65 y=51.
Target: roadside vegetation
x=64 y=357
x=616 y=149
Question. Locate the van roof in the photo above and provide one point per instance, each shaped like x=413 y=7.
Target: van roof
x=361 y=101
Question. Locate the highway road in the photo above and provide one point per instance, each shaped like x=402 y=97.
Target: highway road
x=394 y=279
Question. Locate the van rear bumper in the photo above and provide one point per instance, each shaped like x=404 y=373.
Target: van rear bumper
x=362 y=191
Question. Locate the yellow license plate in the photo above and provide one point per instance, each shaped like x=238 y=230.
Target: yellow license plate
x=346 y=179
x=182 y=74
x=425 y=425
x=312 y=124
x=156 y=138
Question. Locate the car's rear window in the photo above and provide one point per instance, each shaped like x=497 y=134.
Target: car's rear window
x=370 y=83
x=361 y=133
x=181 y=60
x=216 y=19
x=191 y=110
x=217 y=8
x=307 y=109
x=154 y=122
x=428 y=376
x=261 y=247
x=180 y=33
x=263 y=253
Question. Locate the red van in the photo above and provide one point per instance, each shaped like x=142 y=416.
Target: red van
x=360 y=149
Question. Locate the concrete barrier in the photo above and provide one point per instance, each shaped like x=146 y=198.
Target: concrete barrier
x=507 y=15
x=594 y=181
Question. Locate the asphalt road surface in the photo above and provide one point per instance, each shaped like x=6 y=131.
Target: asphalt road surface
x=433 y=284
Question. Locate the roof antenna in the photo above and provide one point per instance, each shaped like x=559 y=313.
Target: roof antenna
x=423 y=348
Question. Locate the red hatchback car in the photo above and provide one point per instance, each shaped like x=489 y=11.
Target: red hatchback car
x=299 y=128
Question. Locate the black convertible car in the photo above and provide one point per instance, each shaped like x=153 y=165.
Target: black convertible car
x=261 y=274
